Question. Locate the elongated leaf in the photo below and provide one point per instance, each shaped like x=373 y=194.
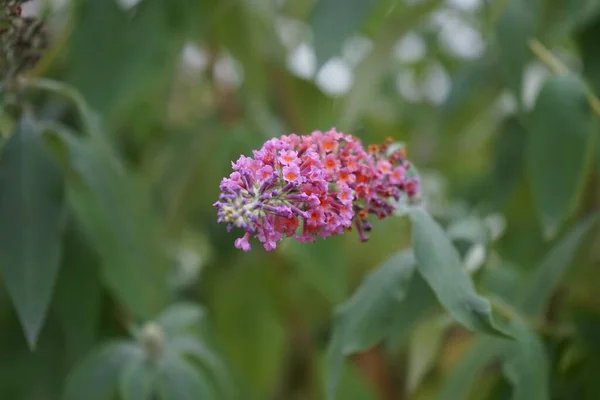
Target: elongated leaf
x=368 y=316
x=513 y=30
x=559 y=149
x=349 y=16
x=137 y=379
x=439 y=264
x=78 y=294
x=526 y=364
x=32 y=212
x=116 y=218
x=178 y=380
x=587 y=40
x=548 y=274
x=96 y=377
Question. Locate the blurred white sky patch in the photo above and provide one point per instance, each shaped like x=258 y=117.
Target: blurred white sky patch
x=193 y=57
x=436 y=84
x=355 y=49
x=408 y=87
x=410 y=48
x=335 y=77
x=533 y=77
x=291 y=32
x=126 y=4
x=507 y=103
x=302 y=61
x=228 y=71
x=456 y=36
x=466 y=5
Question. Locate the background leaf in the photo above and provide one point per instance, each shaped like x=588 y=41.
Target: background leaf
x=559 y=149
x=97 y=377
x=439 y=264
x=33 y=217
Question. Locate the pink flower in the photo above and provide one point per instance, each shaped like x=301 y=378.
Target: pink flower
x=288 y=157
x=242 y=243
x=305 y=187
x=291 y=173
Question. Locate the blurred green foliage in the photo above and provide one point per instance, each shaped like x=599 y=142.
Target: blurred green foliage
x=118 y=119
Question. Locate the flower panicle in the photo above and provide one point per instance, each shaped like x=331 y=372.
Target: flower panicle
x=317 y=185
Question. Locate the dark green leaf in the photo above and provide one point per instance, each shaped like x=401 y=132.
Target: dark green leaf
x=559 y=149
x=508 y=160
x=178 y=380
x=125 y=50
x=348 y=15
x=78 y=294
x=526 y=364
x=587 y=39
x=33 y=217
x=137 y=379
x=513 y=30
x=550 y=271
x=439 y=264
x=368 y=316
x=96 y=377
x=481 y=353
x=114 y=214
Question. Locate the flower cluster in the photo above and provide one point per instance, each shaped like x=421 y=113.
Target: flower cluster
x=316 y=185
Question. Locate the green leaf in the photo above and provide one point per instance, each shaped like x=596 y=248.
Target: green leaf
x=33 y=217
x=439 y=264
x=587 y=39
x=188 y=346
x=126 y=51
x=368 y=316
x=526 y=365
x=179 y=317
x=551 y=269
x=513 y=30
x=349 y=16
x=112 y=210
x=559 y=149
x=97 y=377
x=78 y=294
x=481 y=353
x=178 y=380
x=424 y=345
x=508 y=160
x=137 y=379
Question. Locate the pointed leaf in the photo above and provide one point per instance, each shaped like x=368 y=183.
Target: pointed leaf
x=96 y=377
x=33 y=219
x=178 y=380
x=526 y=364
x=439 y=264
x=137 y=379
x=559 y=149
x=349 y=16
